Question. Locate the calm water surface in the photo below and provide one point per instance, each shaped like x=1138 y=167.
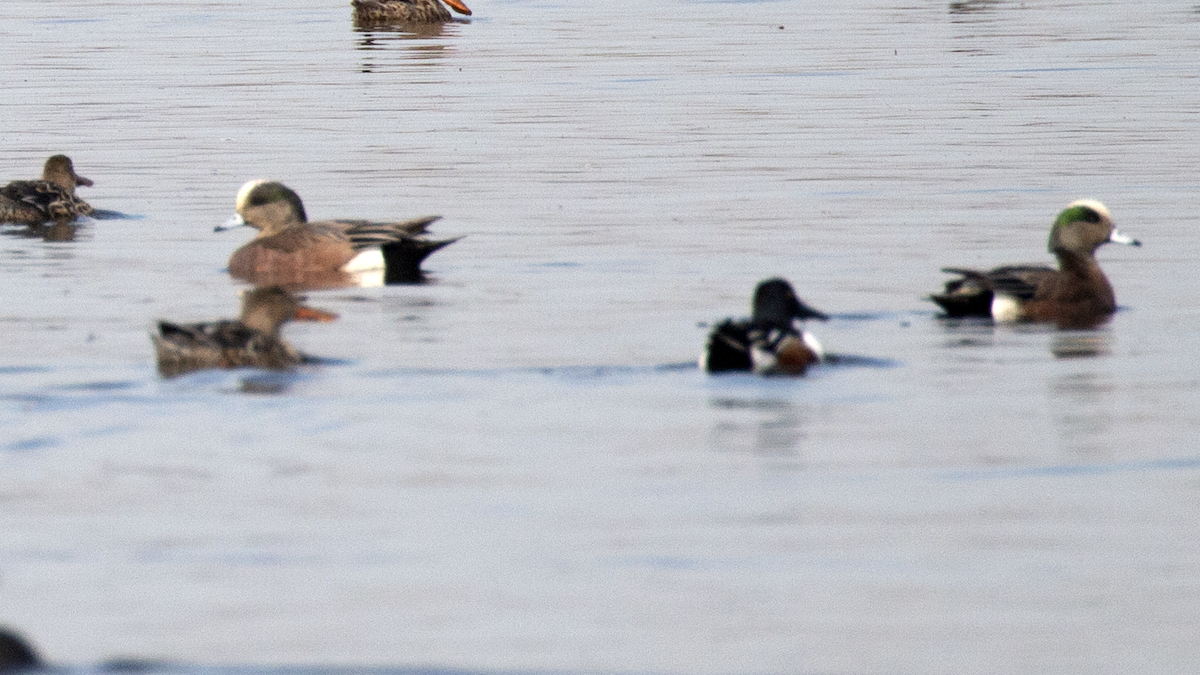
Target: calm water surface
x=508 y=469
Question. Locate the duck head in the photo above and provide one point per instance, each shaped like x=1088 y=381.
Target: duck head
x=1084 y=226
x=776 y=303
x=266 y=309
x=269 y=206
x=61 y=171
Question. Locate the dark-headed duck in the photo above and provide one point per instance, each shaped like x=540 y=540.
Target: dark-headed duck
x=768 y=343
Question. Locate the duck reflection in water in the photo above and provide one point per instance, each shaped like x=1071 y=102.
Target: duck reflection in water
x=60 y=230
x=1080 y=344
x=770 y=427
x=395 y=48
x=252 y=340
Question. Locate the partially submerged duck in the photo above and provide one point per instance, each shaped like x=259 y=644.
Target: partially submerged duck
x=50 y=198
x=405 y=11
x=290 y=250
x=768 y=343
x=252 y=340
x=1076 y=295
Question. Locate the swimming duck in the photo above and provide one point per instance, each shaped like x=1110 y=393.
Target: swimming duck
x=15 y=653
x=767 y=343
x=51 y=198
x=252 y=340
x=291 y=250
x=405 y=11
x=1076 y=295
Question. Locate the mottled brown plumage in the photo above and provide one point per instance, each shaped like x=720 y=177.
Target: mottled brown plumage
x=251 y=341
x=375 y=12
x=50 y=198
x=291 y=251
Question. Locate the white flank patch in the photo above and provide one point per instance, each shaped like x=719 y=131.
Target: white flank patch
x=369 y=259
x=811 y=342
x=1005 y=309
x=763 y=361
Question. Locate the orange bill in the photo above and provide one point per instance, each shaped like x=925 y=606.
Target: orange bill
x=309 y=314
x=458 y=7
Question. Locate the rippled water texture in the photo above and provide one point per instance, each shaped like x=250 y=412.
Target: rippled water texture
x=512 y=468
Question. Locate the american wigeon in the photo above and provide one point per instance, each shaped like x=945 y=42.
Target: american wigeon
x=15 y=653
x=252 y=340
x=1076 y=295
x=768 y=343
x=405 y=11
x=290 y=250
x=51 y=198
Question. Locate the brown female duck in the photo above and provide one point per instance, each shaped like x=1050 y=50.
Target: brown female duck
x=52 y=198
x=290 y=250
x=251 y=341
x=1076 y=295
x=370 y=12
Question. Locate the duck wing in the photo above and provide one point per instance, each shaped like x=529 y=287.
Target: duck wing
x=971 y=293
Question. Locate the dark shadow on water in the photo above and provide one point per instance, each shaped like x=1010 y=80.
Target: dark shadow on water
x=974 y=6
x=105 y=214
x=1081 y=469
x=139 y=666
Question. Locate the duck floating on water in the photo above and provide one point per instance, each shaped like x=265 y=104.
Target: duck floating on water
x=289 y=250
x=371 y=12
x=768 y=343
x=1076 y=295
x=252 y=340
x=50 y=198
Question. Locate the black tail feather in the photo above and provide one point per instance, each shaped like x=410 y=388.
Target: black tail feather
x=402 y=259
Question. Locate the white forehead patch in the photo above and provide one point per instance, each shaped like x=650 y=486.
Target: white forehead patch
x=244 y=194
x=1094 y=205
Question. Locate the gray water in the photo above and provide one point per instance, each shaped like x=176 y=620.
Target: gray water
x=513 y=468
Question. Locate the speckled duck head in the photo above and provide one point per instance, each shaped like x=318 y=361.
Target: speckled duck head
x=1083 y=227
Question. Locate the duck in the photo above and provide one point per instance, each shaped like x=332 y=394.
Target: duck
x=1077 y=295
x=290 y=250
x=16 y=653
x=768 y=343
x=252 y=340
x=50 y=198
x=406 y=11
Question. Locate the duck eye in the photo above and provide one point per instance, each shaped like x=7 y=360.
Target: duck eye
x=1091 y=216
